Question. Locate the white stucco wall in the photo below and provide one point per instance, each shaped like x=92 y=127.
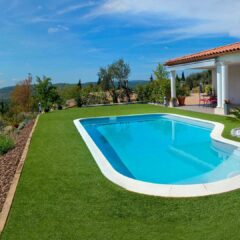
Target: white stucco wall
x=234 y=84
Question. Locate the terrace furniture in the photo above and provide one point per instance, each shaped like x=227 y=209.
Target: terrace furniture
x=211 y=101
x=202 y=99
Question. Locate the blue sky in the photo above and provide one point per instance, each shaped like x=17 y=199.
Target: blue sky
x=68 y=39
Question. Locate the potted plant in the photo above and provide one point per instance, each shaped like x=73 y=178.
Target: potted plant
x=182 y=92
x=227 y=106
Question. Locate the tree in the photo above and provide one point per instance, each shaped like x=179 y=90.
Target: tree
x=107 y=82
x=46 y=93
x=4 y=107
x=151 y=78
x=79 y=84
x=160 y=72
x=120 y=71
x=194 y=79
x=178 y=79
x=183 y=77
x=68 y=92
x=21 y=96
x=78 y=100
x=99 y=81
x=114 y=78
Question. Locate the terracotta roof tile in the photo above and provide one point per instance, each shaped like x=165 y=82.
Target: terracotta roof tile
x=207 y=54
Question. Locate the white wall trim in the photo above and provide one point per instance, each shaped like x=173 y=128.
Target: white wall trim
x=163 y=190
x=211 y=63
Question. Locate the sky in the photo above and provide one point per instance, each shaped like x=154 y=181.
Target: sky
x=70 y=40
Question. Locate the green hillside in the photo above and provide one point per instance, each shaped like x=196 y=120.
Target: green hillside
x=6 y=91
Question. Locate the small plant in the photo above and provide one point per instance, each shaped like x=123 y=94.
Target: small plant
x=182 y=90
x=236 y=112
x=6 y=144
x=208 y=89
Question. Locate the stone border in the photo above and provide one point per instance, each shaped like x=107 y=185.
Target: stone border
x=10 y=196
x=163 y=190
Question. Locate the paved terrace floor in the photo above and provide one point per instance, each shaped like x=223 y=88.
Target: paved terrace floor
x=192 y=104
x=197 y=108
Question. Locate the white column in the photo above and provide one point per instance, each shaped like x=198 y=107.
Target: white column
x=214 y=80
x=225 y=95
x=173 y=83
x=219 y=86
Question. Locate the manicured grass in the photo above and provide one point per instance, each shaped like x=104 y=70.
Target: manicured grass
x=63 y=195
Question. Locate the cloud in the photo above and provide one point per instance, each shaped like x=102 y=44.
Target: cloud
x=58 y=28
x=75 y=7
x=192 y=18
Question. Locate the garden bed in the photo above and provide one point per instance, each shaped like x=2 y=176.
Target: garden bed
x=9 y=162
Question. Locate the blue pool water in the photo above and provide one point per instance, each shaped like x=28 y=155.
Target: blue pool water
x=163 y=149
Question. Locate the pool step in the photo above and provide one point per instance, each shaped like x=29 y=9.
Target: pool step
x=192 y=158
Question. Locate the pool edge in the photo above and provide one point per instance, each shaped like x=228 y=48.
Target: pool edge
x=163 y=190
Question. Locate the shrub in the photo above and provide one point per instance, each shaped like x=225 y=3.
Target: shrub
x=236 y=112
x=79 y=101
x=155 y=91
x=12 y=118
x=21 y=125
x=182 y=90
x=6 y=144
x=4 y=107
x=143 y=93
x=208 y=89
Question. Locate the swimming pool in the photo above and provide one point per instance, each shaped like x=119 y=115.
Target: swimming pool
x=163 y=154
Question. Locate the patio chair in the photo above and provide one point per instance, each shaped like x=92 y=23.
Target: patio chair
x=212 y=101
x=202 y=100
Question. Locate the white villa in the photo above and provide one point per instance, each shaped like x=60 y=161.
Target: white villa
x=224 y=62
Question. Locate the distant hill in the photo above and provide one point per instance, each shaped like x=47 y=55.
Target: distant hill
x=134 y=83
x=6 y=91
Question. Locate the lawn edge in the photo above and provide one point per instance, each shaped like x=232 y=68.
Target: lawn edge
x=10 y=196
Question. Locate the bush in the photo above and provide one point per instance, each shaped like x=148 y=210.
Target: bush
x=236 y=112
x=13 y=119
x=208 y=89
x=21 y=125
x=195 y=90
x=79 y=101
x=6 y=144
x=155 y=91
x=90 y=95
x=182 y=90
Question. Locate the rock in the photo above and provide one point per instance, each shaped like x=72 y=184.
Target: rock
x=235 y=132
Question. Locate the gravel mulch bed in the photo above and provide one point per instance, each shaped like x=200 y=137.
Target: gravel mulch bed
x=10 y=160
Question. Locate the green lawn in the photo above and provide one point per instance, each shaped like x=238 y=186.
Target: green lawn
x=63 y=195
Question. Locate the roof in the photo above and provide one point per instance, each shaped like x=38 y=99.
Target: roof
x=207 y=54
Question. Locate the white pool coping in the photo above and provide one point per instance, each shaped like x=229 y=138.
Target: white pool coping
x=163 y=190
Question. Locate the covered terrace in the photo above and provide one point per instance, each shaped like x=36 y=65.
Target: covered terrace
x=224 y=63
